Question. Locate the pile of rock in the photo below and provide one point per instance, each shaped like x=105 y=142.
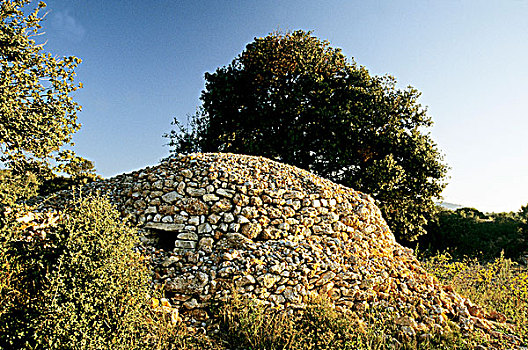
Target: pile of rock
x=277 y=235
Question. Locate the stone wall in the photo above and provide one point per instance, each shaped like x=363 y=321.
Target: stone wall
x=277 y=235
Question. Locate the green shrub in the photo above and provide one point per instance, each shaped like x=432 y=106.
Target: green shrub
x=82 y=285
x=468 y=232
x=17 y=279
x=97 y=286
x=14 y=187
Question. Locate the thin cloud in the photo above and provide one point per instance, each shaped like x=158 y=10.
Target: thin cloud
x=67 y=26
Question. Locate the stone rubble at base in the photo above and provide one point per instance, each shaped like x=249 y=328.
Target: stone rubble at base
x=278 y=235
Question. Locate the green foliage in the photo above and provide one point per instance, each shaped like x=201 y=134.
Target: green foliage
x=96 y=284
x=8 y=271
x=468 y=232
x=37 y=114
x=13 y=187
x=523 y=218
x=294 y=98
x=79 y=284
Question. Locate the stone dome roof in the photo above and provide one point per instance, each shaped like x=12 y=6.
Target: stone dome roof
x=278 y=235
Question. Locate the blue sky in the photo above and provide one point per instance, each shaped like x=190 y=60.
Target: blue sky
x=144 y=62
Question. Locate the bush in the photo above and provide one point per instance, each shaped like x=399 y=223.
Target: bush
x=97 y=286
x=80 y=284
x=468 y=232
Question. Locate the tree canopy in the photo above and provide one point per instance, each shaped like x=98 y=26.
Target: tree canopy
x=294 y=98
x=37 y=114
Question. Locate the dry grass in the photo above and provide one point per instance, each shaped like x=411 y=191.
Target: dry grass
x=500 y=285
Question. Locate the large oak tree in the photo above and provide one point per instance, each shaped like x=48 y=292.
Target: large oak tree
x=294 y=98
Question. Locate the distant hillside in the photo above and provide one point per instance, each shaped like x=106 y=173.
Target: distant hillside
x=451 y=206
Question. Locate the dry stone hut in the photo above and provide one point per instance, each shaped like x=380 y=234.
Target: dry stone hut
x=277 y=234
